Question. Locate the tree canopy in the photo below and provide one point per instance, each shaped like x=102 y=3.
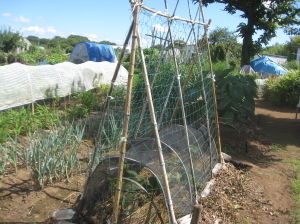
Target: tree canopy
x=264 y=15
x=62 y=43
x=10 y=40
x=224 y=45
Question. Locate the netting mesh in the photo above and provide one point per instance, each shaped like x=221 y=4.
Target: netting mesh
x=170 y=148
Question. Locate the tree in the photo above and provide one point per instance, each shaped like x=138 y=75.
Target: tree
x=44 y=41
x=107 y=42
x=222 y=36
x=33 y=39
x=224 y=45
x=74 y=39
x=264 y=15
x=10 y=40
x=288 y=49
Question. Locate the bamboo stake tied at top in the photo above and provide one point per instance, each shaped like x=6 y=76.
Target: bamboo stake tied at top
x=157 y=137
x=126 y=115
x=106 y=106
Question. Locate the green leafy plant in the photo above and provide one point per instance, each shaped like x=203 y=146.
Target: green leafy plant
x=21 y=121
x=235 y=96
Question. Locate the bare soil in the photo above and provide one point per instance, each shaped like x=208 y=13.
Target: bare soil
x=262 y=194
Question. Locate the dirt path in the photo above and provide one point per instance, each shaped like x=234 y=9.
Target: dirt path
x=269 y=155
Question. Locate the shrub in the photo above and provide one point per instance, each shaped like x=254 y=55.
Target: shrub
x=11 y=59
x=292 y=65
x=2 y=59
x=283 y=90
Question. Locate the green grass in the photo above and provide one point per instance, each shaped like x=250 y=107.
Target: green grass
x=275 y=148
x=296 y=188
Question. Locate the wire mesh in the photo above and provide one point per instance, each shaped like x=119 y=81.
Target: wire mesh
x=180 y=81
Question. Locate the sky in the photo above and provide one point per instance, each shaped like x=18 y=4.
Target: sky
x=99 y=20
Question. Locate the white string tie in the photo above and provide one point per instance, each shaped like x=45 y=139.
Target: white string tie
x=155 y=14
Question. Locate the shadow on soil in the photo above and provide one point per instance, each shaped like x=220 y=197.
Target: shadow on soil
x=261 y=103
x=257 y=141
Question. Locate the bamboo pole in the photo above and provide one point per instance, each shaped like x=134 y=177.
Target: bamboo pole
x=183 y=115
x=173 y=80
x=145 y=103
x=205 y=103
x=157 y=137
x=106 y=105
x=153 y=80
x=190 y=71
x=170 y=17
x=123 y=141
x=213 y=87
x=186 y=82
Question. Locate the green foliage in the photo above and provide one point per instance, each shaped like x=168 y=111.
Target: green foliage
x=9 y=153
x=10 y=40
x=283 y=90
x=88 y=102
x=224 y=45
x=235 y=93
x=106 y=42
x=33 y=57
x=265 y=16
x=277 y=49
x=218 y=52
x=56 y=58
x=289 y=49
x=292 y=65
x=33 y=49
x=21 y=121
x=60 y=44
x=33 y=40
x=92 y=101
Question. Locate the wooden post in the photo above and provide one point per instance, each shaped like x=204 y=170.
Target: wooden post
x=196 y=215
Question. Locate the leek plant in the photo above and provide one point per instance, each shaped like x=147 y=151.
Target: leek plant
x=53 y=155
x=9 y=154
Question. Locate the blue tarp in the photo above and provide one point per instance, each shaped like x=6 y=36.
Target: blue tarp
x=100 y=52
x=267 y=66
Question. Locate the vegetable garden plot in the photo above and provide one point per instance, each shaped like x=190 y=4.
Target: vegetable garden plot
x=168 y=136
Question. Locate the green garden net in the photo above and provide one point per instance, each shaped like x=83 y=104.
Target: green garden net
x=172 y=134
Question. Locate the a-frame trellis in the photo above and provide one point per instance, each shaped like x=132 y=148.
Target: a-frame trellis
x=169 y=141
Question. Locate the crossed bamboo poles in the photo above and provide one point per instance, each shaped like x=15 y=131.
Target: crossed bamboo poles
x=134 y=33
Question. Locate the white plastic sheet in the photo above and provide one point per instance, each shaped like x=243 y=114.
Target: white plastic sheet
x=22 y=84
